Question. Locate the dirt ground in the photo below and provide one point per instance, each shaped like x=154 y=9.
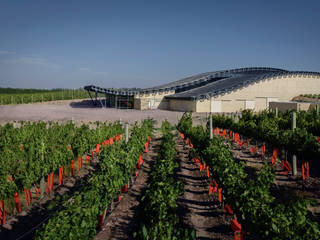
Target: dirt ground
x=200 y=210
x=83 y=111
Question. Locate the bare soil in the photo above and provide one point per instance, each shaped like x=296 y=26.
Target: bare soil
x=200 y=210
x=82 y=111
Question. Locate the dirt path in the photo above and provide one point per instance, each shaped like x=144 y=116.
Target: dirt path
x=121 y=222
x=200 y=210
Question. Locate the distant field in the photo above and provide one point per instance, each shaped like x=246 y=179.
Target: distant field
x=310 y=95
x=20 y=96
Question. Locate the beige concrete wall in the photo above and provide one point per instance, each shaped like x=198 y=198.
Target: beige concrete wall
x=283 y=89
x=285 y=106
x=182 y=105
x=202 y=106
x=151 y=101
x=227 y=105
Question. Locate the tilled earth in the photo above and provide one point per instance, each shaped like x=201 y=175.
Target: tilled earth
x=201 y=211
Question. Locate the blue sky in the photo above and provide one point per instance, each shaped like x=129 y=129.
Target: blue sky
x=50 y=44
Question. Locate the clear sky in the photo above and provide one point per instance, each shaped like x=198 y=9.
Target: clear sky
x=64 y=43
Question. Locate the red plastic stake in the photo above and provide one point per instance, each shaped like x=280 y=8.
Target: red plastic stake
x=97 y=148
x=146 y=147
x=17 y=202
x=26 y=197
x=101 y=219
x=220 y=195
x=72 y=167
x=52 y=181
x=2 y=212
x=239 y=234
x=140 y=159
x=182 y=135
x=228 y=209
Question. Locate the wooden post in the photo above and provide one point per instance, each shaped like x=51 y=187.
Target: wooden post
x=211 y=132
x=42 y=181
x=127 y=132
x=236 y=119
x=277 y=111
x=294 y=157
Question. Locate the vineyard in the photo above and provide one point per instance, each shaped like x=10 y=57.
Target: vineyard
x=316 y=96
x=21 y=96
x=232 y=179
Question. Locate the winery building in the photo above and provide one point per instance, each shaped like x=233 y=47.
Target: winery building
x=221 y=91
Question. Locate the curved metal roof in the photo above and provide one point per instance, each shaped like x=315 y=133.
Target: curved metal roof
x=207 y=84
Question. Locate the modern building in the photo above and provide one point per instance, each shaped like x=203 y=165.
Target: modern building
x=221 y=91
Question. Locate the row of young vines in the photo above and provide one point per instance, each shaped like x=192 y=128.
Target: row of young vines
x=117 y=163
x=21 y=96
x=31 y=152
x=276 y=130
x=157 y=215
x=255 y=209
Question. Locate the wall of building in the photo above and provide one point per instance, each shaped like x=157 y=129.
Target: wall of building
x=182 y=105
x=261 y=93
x=298 y=106
x=152 y=100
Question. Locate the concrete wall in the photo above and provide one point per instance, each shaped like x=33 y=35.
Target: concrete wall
x=182 y=105
x=151 y=101
x=272 y=89
x=298 y=106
